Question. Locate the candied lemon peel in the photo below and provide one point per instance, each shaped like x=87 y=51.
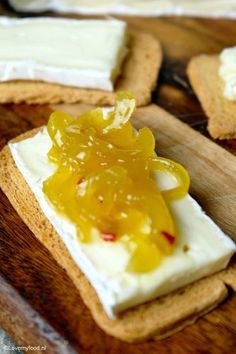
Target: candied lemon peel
x=104 y=181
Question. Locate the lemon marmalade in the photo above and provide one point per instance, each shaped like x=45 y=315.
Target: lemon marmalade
x=104 y=181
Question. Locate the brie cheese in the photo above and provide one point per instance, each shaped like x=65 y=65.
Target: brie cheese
x=80 y=53
x=204 y=8
x=227 y=72
x=104 y=263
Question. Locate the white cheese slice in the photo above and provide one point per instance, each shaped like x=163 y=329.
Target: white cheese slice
x=203 y=8
x=80 y=53
x=104 y=263
x=227 y=72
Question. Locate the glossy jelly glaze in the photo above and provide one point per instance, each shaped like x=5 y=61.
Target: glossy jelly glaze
x=104 y=181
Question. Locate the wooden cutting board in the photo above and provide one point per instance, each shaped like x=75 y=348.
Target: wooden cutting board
x=45 y=309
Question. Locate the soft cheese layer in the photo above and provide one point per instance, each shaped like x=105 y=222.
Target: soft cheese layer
x=202 y=248
x=209 y=8
x=81 y=53
x=227 y=72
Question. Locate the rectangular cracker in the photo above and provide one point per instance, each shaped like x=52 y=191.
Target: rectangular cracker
x=139 y=75
x=155 y=319
x=203 y=75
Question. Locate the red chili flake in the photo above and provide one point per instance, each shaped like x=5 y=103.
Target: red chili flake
x=81 y=180
x=169 y=237
x=108 y=237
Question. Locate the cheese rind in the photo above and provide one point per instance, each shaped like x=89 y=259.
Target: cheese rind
x=80 y=53
x=104 y=264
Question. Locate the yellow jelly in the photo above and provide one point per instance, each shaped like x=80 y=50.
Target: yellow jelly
x=104 y=181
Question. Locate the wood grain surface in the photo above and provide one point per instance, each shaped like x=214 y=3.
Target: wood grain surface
x=39 y=305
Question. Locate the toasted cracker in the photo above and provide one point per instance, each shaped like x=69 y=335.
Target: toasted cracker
x=155 y=319
x=139 y=75
x=208 y=86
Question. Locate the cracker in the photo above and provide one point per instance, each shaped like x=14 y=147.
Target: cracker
x=208 y=86
x=138 y=75
x=155 y=319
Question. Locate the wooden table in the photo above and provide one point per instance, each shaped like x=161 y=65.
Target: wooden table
x=21 y=298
